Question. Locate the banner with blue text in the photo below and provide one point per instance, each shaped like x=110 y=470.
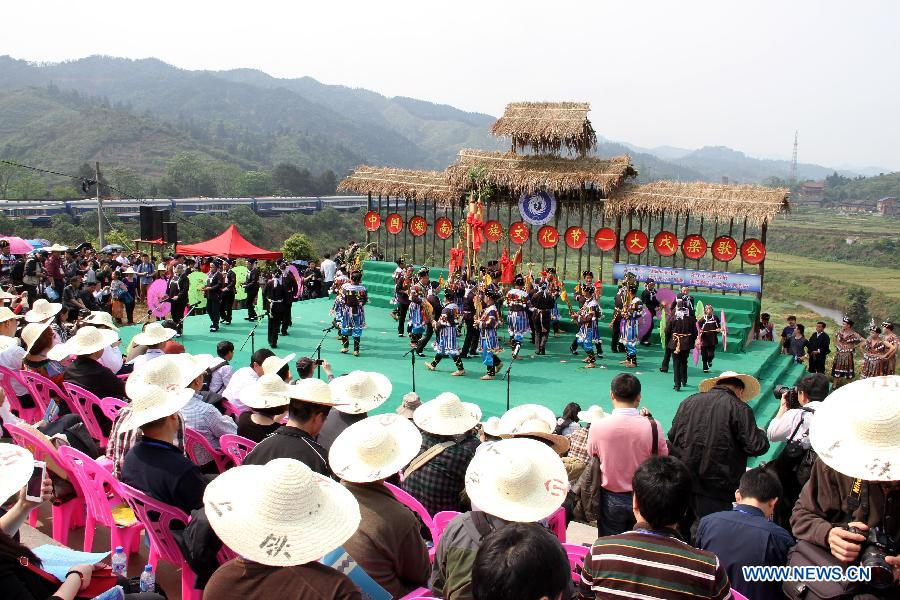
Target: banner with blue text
x=714 y=280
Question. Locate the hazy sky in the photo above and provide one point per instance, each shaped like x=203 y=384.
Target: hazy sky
x=682 y=73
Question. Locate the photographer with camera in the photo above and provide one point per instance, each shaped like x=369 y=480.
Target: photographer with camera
x=849 y=511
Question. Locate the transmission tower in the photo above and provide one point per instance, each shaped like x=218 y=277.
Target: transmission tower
x=794 y=160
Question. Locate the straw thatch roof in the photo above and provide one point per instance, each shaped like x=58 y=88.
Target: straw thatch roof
x=535 y=173
x=547 y=126
x=713 y=201
x=405 y=183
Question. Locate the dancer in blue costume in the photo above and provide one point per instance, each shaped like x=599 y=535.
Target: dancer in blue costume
x=353 y=315
x=447 y=343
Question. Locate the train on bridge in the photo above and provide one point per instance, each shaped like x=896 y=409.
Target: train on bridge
x=39 y=212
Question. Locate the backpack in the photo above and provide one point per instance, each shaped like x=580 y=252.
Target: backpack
x=18 y=270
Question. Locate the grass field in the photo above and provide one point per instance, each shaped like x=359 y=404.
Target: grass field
x=882 y=278
x=827 y=220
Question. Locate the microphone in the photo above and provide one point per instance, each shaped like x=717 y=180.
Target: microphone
x=515 y=352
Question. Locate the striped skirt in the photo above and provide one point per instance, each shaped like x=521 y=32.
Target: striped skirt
x=843 y=367
x=517 y=324
x=446 y=342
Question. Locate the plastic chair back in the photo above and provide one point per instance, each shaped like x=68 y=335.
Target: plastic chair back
x=42 y=390
x=576 y=555
x=407 y=499
x=231 y=410
x=123 y=376
x=31 y=415
x=737 y=595
x=111 y=406
x=98 y=484
x=194 y=441
x=557 y=523
x=157 y=518
x=419 y=594
x=441 y=520
x=236 y=447
x=86 y=401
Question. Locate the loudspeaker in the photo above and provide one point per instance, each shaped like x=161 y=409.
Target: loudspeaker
x=170 y=232
x=146 y=214
x=158 y=217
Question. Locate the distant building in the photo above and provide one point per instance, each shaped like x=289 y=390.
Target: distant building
x=855 y=206
x=812 y=193
x=887 y=207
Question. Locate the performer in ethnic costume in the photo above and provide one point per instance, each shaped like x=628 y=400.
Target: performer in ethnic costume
x=709 y=328
x=589 y=325
x=875 y=354
x=417 y=316
x=587 y=281
x=397 y=277
x=401 y=295
x=630 y=331
x=517 y=318
x=680 y=330
x=447 y=342
x=891 y=338
x=624 y=295
x=543 y=302
x=488 y=323
x=353 y=315
x=470 y=310
x=843 y=369
x=555 y=288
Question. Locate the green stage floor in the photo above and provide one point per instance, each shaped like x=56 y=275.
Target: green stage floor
x=552 y=380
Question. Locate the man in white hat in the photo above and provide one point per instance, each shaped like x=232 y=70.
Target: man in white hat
x=198 y=414
x=388 y=544
x=281 y=519
x=855 y=483
x=12 y=355
x=308 y=404
x=154 y=336
x=515 y=480
x=720 y=416
x=621 y=442
x=436 y=477
x=88 y=345
x=357 y=393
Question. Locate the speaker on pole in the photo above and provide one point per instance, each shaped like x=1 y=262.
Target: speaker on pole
x=146 y=215
x=170 y=232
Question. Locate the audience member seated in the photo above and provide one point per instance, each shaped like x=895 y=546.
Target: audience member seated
x=652 y=561
x=436 y=477
x=746 y=535
x=408 y=405
x=112 y=356
x=388 y=544
x=264 y=416
x=246 y=376
x=88 y=345
x=522 y=561
x=38 y=339
x=220 y=373
x=306 y=367
x=568 y=422
x=280 y=518
x=13 y=354
x=354 y=394
x=198 y=414
x=153 y=337
x=519 y=480
x=309 y=403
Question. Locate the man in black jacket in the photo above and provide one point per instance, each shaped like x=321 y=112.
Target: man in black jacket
x=713 y=433
x=648 y=297
x=275 y=298
x=213 y=289
x=818 y=346
x=251 y=285
x=437 y=308
x=291 y=286
x=177 y=290
x=229 y=289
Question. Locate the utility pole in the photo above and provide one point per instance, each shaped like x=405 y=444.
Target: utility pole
x=794 y=161
x=99 y=205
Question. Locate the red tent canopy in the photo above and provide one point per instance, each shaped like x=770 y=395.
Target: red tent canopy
x=230 y=244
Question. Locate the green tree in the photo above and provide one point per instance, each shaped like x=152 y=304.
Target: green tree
x=298 y=247
x=187 y=176
x=255 y=183
x=857 y=309
x=118 y=236
x=28 y=186
x=129 y=181
x=227 y=178
x=290 y=180
x=8 y=174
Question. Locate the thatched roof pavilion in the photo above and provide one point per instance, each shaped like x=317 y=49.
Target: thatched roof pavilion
x=518 y=173
x=755 y=203
x=547 y=126
x=403 y=183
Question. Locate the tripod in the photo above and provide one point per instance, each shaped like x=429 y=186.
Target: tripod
x=251 y=337
x=318 y=350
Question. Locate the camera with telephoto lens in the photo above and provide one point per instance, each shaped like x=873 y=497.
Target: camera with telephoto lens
x=793 y=400
x=873 y=552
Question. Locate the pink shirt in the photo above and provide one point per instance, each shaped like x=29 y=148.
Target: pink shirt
x=623 y=441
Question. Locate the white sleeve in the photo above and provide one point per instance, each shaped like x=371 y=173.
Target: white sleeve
x=781 y=428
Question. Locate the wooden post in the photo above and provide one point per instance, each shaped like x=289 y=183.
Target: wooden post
x=580 y=224
x=764 y=228
x=591 y=240
x=381 y=248
x=406 y=233
x=743 y=237
x=368 y=208
x=566 y=254
x=556 y=248
x=617 y=250
x=590 y=225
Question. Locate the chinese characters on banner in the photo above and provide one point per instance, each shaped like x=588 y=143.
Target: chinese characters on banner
x=548 y=237
x=753 y=251
x=493 y=231
x=372 y=220
x=575 y=237
x=418 y=226
x=694 y=247
x=394 y=223
x=714 y=280
x=443 y=228
x=665 y=243
x=519 y=233
x=606 y=239
x=635 y=241
x=724 y=248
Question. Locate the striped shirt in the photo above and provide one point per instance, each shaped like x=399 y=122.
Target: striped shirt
x=644 y=564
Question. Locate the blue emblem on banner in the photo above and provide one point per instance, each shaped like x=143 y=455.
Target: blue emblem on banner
x=538 y=208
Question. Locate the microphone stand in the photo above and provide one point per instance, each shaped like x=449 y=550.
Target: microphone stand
x=181 y=322
x=412 y=358
x=508 y=374
x=318 y=350
x=251 y=337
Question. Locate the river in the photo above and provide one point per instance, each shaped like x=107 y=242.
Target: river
x=834 y=315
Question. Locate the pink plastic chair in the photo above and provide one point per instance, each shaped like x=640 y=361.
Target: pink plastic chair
x=86 y=402
x=419 y=594
x=194 y=440
x=44 y=391
x=65 y=516
x=31 y=415
x=101 y=496
x=576 y=555
x=123 y=376
x=111 y=406
x=557 y=524
x=236 y=447
x=416 y=506
x=441 y=520
x=231 y=410
x=157 y=519
x=737 y=595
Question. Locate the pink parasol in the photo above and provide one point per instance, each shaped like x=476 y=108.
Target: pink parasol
x=17 y=245
x=155 y=295
x=644 y=324
x=724 y=327
x=298 y=279
x=666 y=297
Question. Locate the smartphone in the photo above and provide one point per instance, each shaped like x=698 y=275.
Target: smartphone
x=319 y=361
x=36 y=482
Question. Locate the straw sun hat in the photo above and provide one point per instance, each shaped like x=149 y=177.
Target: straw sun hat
x=42 y=310
x=447 y=415
x=88 y=340
x=6 y=314
x=533 y=421
x=751 y=385
x=270 y=391
x=491 y=427
x=411 y=402
x=360 y=391
x=281 y=513
x=152 y=402
x=31 y=333
x=517 y=480
x=99 y=317
x=374 y=448
x=593 y=414
x=855 y=430
x=18 y=464
x=273 y=364
x=154 y=333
